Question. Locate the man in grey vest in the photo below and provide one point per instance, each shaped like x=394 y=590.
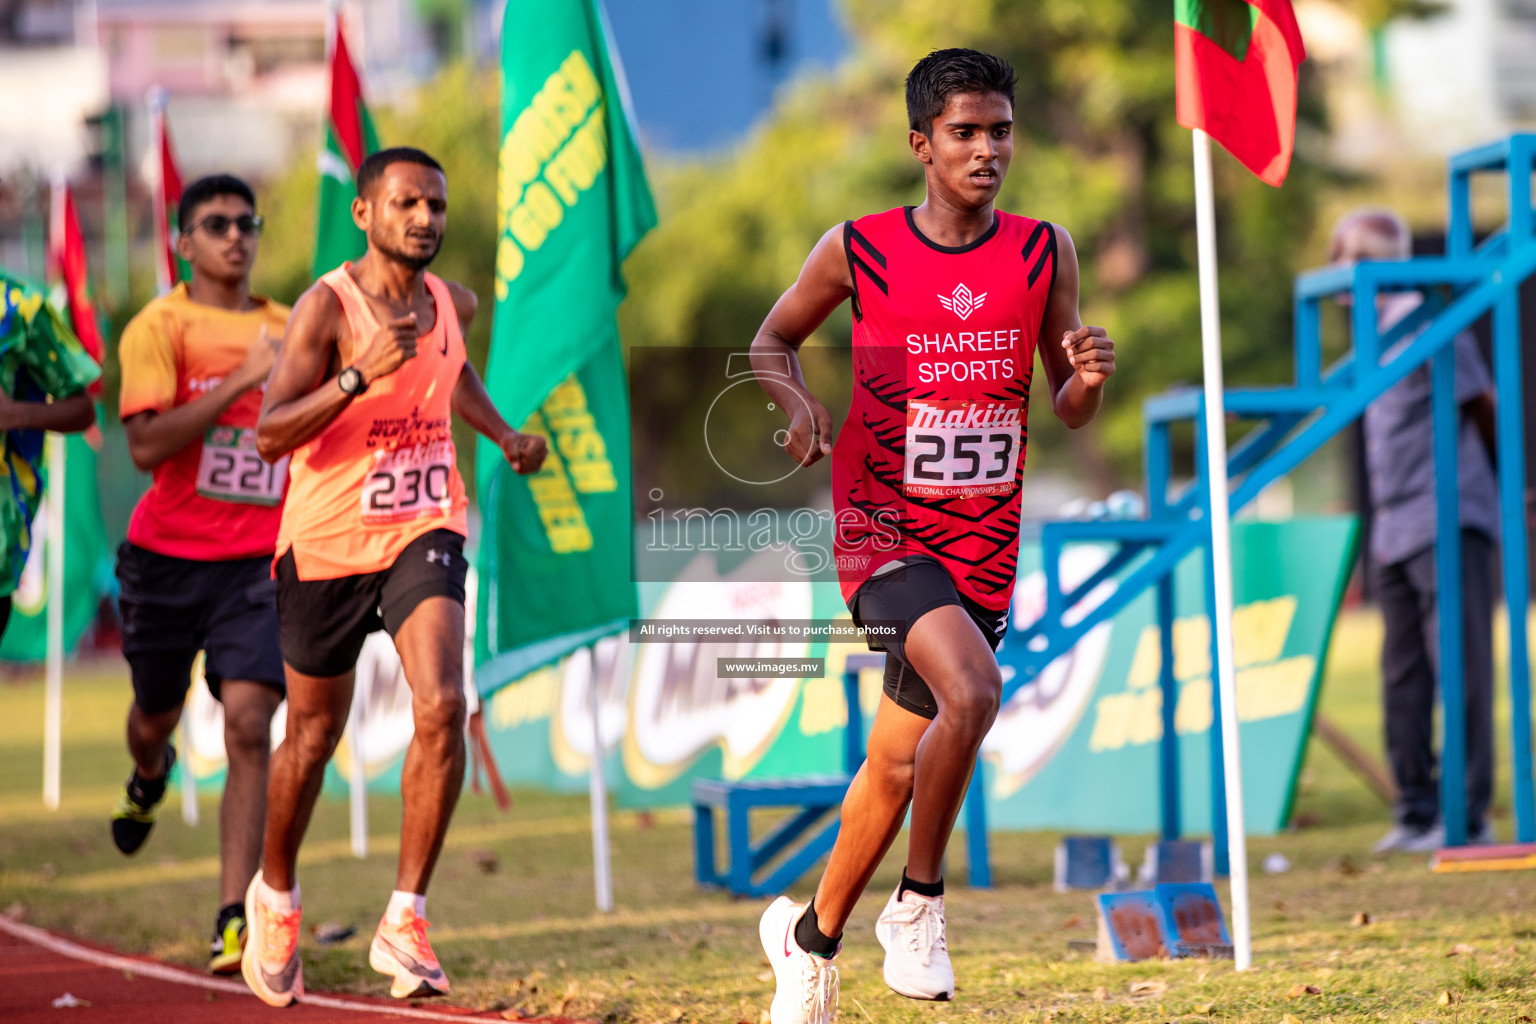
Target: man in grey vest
x=1400 y=463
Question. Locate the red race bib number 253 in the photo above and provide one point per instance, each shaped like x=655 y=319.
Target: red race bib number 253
x=962 y=448
x=409 y=482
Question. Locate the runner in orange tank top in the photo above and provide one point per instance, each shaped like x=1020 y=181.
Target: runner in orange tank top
x=372 y=536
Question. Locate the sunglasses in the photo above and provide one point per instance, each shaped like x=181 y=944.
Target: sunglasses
x=217 y=224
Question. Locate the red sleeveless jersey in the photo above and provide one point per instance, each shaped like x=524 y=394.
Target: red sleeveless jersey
x=930 y=457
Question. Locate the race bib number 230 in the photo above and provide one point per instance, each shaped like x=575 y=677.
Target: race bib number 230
x=409 y=482
x=230 y=469
x=962 y=448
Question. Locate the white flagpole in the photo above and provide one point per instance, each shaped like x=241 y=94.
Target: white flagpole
x=53 y=694
x=1221 y=545
x=188 y=779
x=602 y=868
x=53 y=701
x=164 y=275
x=357 y=777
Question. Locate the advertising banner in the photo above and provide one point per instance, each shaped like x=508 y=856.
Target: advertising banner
x=1076 y=749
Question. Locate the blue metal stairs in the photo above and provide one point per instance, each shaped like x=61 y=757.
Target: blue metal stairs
x=1290 y=423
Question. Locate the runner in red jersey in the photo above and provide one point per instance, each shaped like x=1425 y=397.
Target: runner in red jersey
x=952 y=300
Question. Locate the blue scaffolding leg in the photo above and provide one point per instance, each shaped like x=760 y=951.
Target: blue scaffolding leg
x=1168 y=746
x=1453 y=750
x=1517 y=584
x=977 y=858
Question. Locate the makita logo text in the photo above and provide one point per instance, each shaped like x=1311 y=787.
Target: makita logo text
x=978 y=416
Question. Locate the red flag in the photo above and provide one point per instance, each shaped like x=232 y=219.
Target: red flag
x=349 y=138
x=66 y=262
x=167 y=195
x=347 y=109
x=1237 y=64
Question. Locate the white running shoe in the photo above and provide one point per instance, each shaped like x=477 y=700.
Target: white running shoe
x=807 y=983
x=916 y=952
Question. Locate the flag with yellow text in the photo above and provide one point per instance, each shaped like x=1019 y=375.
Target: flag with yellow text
x=555 y=553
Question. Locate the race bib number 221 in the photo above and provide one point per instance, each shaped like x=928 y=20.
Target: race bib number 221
x=229 y=469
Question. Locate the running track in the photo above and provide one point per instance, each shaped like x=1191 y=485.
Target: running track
x=37 y=967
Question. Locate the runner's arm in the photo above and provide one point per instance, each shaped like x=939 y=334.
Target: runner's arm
x=823 y=285
x=1077 y=359
x=154 y=437
x=524 y=452
x=302 y=394
x=63 y=415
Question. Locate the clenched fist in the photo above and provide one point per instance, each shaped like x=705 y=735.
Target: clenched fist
x=525 y=452
x=388 y=349
x=1091 y=353
x=259 y=358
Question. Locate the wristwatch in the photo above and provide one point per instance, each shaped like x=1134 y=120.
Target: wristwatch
x=351 y=381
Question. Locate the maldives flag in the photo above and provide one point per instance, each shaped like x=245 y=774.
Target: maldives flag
x=170 y=268
x=1236 y=64
x=66 y=262
x=349 y=137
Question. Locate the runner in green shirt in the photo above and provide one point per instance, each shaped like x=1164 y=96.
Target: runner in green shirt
x=44 y=371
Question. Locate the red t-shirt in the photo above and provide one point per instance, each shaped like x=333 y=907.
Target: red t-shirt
x=931 y=455
x=215 y=499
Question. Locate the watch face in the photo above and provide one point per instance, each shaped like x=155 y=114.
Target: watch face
x=351 y=381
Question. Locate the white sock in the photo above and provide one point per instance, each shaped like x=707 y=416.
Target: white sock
x=400 y=901
x=276 y=899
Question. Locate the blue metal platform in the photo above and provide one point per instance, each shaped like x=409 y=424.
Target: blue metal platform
x=1290 y=423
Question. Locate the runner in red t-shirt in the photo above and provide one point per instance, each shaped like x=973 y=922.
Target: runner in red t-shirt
x=194 y=571
x=950 y=301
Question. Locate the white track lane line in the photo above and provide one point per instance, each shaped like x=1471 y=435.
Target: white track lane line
x=178 y=976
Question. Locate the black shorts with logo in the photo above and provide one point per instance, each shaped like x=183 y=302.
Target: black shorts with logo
x=324 y=622
x=902 y=595
x=174 y=607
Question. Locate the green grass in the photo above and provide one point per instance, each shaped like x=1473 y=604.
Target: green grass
x=526 y=936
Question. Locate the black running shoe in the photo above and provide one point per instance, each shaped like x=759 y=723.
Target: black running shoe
x=138 y=805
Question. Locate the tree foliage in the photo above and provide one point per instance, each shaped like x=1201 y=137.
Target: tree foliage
x=1098 y=151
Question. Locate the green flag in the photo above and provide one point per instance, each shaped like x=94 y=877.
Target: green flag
x=349 y=137
x=555 y=553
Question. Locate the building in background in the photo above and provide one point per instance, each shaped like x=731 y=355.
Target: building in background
x=703 y=72
x=246 y=82
x=1422 y=88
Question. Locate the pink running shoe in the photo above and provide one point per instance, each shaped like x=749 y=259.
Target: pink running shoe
x=402 y=952
x=270 y=962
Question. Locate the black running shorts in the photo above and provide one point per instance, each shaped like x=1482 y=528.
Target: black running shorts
x=324 y=622
x=900 y=597
x=174 y=607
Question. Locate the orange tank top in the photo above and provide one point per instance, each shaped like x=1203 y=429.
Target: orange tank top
x=383 y=472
